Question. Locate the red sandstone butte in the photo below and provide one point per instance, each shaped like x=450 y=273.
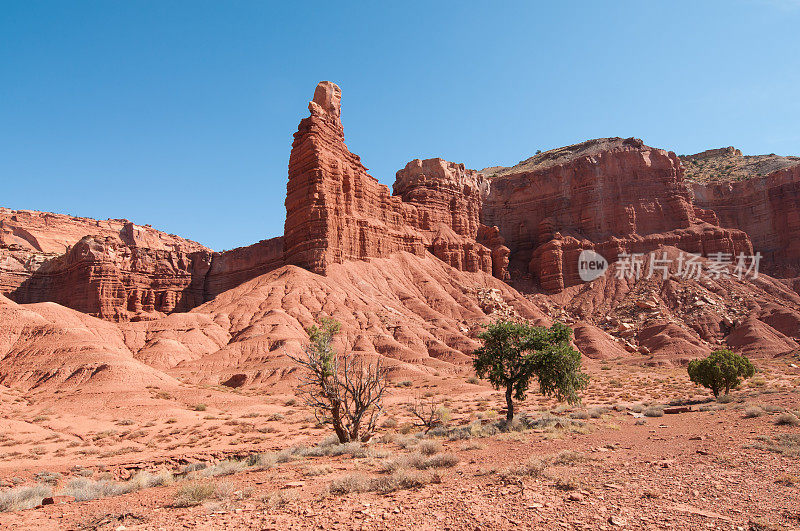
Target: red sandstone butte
x=337 y=212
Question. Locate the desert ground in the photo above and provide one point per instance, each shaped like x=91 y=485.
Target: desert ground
x=645 y=450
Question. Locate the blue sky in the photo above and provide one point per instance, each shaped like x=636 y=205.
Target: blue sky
x=180 y=114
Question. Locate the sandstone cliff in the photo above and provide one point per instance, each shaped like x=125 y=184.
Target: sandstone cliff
x=610 y=195
x=28 y=239
x=115 y=269
x=104 y=277
x=231 y=268
x=448 y=202
x=766 y=208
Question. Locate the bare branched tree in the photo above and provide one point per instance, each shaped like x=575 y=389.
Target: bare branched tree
x=344 y=391
x=428 y=412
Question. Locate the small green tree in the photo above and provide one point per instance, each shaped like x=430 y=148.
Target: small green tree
x=514 y=352
x=722 y=369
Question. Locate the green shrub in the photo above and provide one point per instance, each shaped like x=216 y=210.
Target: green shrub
x=722 y=370
x=345 y=391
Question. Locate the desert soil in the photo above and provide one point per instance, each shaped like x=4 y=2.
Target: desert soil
x=721 y=465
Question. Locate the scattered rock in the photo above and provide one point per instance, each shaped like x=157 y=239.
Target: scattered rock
x=677 y=409
x=617 y=521
x=51 y=500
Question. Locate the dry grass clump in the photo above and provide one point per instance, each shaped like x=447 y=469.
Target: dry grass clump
x=472 y=445
x=785 y=443
x=419 y=461
x=537 y=466
x=597 y=412
x=560 y=409
x=194 y=494
x=224 y=468
x=568 y=458
x=397 y=480
x=321 y=470
x=441 y=461
x=145 y=480
x=356 y=482
x=654 y=411
x=787 y=419
x=753 y=412
x=429 y=447
x=83 y=489
x=533 y=467
x=405 y=479
x=281 y=498
x=21 y=498
x=405 y=442
x=50 y=478
x=328 y=449
x=567 y=484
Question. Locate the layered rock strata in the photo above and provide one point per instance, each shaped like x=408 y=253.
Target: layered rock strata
x=767 y=208
x=611 y=195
